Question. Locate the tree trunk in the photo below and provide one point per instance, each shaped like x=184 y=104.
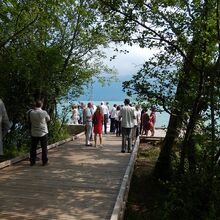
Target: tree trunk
x=191 y=156
x=163 y=169
x=187 y=142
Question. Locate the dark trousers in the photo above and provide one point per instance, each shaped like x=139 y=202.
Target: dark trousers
x=118 y=127
x=126 y=137
x=33 y=150
x=105 y=122
x=112 y=125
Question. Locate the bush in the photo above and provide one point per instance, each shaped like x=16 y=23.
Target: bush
x=193 y=197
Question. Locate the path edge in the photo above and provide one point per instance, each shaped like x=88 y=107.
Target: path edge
x=120 y=204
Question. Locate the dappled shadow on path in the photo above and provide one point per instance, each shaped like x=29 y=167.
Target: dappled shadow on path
x=79 y=183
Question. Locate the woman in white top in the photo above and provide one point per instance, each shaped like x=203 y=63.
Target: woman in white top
x=117 y=122
x=75 y=115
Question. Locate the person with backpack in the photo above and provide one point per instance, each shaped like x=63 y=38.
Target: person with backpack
x=39 y=132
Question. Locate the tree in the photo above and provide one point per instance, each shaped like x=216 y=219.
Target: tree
x=48 y=49
x=185 y=33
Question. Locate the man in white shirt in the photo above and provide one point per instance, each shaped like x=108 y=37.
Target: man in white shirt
x=127 y=114
x=113 y=115
x=105 y=111
x=4 y=125
x=39 y=132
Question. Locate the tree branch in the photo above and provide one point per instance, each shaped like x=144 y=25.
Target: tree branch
x=17 y=33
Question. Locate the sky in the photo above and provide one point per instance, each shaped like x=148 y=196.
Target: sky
x=126 y=65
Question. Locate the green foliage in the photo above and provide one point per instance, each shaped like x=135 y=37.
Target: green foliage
x=177 y=29
x=193 y=197
x=16 y=143
x=48 y=50
x=57 y=132
x=183 y=79
x=182 y=76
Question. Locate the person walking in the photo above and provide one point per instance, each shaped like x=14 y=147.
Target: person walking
x=4 y=126
x=98 y=119
x=88 y=113
x=127 y=114
x=39 y=132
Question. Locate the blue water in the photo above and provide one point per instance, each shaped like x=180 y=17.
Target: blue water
x=161 y=118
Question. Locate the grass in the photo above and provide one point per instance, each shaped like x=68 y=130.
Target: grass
x=146 y=194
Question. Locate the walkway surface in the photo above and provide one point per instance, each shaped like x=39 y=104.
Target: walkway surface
x=80 y=183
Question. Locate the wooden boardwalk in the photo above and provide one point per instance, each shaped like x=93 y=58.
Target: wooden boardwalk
x=80 y=183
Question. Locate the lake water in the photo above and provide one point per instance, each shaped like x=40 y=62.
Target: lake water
x=162 y=118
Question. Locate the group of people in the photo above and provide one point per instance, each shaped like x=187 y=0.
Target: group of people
x=132 y=124
x=126 y=120
x=94 y=118
x=148 y=121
